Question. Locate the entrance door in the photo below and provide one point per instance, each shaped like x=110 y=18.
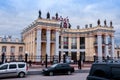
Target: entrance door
x=82 y=54
x=74 y=56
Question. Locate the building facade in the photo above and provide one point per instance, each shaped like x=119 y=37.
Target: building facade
x=117 y=52
x=55 y=37
x=13 y=49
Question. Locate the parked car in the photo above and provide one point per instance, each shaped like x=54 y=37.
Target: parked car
x=59 y=68
x=13 y=69
x=105 y=70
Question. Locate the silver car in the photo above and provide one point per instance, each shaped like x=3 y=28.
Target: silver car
x=13 y=69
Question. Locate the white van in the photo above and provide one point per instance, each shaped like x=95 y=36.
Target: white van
x=13 y=69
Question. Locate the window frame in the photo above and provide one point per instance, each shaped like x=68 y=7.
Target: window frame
x=12 y=68
x=3 y=66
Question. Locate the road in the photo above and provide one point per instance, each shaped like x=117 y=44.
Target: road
x=74 y=76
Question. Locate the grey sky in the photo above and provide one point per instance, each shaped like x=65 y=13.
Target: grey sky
x=15 y=15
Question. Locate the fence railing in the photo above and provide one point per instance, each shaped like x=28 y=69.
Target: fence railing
x=52 y=59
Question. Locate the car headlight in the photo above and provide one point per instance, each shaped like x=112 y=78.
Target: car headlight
x=45 y=69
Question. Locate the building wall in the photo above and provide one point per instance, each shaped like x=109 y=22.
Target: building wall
x=90 y=33
x=9 y=43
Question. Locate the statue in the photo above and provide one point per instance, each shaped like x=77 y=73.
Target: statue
x=98 y=21
x=39 y=14
x=69 y=25
x=56 y=15
x=110 y=23
x=48 y=15
x=105 y=22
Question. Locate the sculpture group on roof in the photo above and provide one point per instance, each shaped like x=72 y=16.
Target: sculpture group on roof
x=105 y=23
x=64 y=22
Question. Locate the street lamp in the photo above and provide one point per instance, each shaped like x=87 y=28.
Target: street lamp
x=26 y=56
x=62 y=44
x=94 y=56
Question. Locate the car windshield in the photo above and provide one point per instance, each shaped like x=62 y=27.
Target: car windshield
x=54 y=65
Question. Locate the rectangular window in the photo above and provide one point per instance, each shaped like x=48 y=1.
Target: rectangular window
x=20 y=49
x=118 y=54
x=59 y=41
x=4 y=48
x=12 y=49
x=4 y=67
x=21 y=65
x=74 y=43
x=65 y=42
x=12 y=66
x=82 y=42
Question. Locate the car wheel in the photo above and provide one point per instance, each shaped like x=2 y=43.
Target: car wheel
x=69 y=72
x=50 y=73
x=21 y=74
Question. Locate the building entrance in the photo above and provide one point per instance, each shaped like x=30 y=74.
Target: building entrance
x=74 y=56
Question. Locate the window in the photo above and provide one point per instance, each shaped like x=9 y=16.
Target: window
x=12 y=57
x=21 y=65
x=12 y=66
x=59 y=41
x=65 y=65
x=3 y=67
x=4 y=48
x=20 y=58
x=74 y=43
x=82 y=42
x=12 y=49
x=118 y=54
x=65 y=39
x=20 y=49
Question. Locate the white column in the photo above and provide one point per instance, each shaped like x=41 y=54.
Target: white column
x=106 y=46
x=48 y=43
x=113 y=47
x=38 y=54
x=57 y=43
x=99 y=41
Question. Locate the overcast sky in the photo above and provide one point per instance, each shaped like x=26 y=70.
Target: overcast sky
x=15 y=15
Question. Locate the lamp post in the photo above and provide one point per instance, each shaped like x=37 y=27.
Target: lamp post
x=94 y=56
x=26 y=56
x=62 y=44
x=64 y=58
x=46 y=60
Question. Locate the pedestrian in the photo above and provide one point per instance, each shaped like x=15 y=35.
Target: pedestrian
x=42 y=63
x=30 y=63
x=79 y=64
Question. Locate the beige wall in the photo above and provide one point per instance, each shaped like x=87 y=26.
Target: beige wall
x=8 y=50
x=30 y=46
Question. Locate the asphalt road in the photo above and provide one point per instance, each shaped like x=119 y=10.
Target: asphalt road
x=74 y=76
x=40 y=72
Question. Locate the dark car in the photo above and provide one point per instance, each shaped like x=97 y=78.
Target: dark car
x=59 y=68
x=106 y=70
